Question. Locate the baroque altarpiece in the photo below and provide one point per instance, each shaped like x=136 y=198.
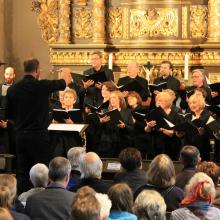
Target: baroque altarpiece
x=141 y=30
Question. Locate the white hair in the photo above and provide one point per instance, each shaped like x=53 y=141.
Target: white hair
x=90 y=166
x=208 y=188
x=105 y=204
x=150 y=205
x=74 y=154
x=39 y=175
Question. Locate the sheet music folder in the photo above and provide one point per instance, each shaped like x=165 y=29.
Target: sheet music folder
x=67 y=127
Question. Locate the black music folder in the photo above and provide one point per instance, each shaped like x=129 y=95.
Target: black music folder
x=74 y=114
x=139 y=116
x=3 y=114
x=104 y=105
x=185 y=93
x=133 y=85
x=215 y=87
x=188 y=127
x=213 y=124
x=157 y=87
x=99 y=77
x=114 y=115
x=215 y=109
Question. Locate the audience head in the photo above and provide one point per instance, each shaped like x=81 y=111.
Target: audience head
x=9 y=75
x=121 y=197
x=107 y=88
x=161 y=172
x=5 y=197
x=91 y=166
x=196 y=103
x=165 y=68
x=150 y=205
x=96 y=60
x=211 y=169
x=39 y=175
x=59 y=170
x=10 y=182
x=164 y=100
x=105 y=203
x=130 y=159
x=133 y=69
x=86 y=207
x=198 y=77
x=134 y=99
x=69 y=97
x=5 y=214
x=74 y=155
x=117 y=100
x=199 y=188
x=190 y=156
x=31 y=66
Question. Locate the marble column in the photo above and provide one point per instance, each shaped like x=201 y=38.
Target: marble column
x=214 y=21
x=98 y=21
x=64 y=22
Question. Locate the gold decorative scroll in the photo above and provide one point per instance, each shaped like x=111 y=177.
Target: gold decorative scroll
x=154 y=22
x=125 y=23
x=47 y=19
x=82 y=18
x=198 y=21
x=184 y=22
x=80 y=2
x=115 y=22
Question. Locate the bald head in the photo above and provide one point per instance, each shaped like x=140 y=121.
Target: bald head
x=133 y=69
x=91 y=166
x=9 y=75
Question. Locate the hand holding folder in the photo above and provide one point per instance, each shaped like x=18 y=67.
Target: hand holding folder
x=61 y=115
x=115 y=116
x=99 y=77
x=157 y=87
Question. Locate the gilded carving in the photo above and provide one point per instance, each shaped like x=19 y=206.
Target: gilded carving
x=198 y=21
x=154 y=22
x=125 y=23
x=184 y=22
x=47 y=19
x=82 y=23
x=115 y=22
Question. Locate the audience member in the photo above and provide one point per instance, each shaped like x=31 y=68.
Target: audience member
x=190 y=158
x=39 y=179
x=122 y=202
x=55 y=201
x=213 y=171
x=91 y=173
x=150 y=205
x=161 y=177
x=132 y=174
x=197 y=204
x=74 y=155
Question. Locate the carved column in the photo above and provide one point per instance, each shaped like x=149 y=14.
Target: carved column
x=214 y=21
x=99 y=21
x=64 y=22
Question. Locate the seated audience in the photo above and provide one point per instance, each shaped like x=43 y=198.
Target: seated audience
x=132 y=174
x=55 y=201
x=122 y=202
x=74 y=155
x=5 y=214
x=190 y=158
x=213 y=171
x=91 y=173
x=6 y=202
x=39 y=179
x=161 y=177
x=150 y=205
x=197 y=204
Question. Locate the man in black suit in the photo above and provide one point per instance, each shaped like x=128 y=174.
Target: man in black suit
x=93 y=93
x=133 y=70
x=55 y=201
x=28 y=107
x=165 y=71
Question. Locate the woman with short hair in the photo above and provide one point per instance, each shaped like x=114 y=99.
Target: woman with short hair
x=197 y=204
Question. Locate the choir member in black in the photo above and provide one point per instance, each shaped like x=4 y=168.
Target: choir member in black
x=202 y=139
x=63 y=141
x=165 y=140
x=91 y=118
x=133 y=70
x=114 y=138
x=141 y=140
x=93 y=93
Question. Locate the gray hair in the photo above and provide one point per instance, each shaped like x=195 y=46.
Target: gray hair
x=91 y=166
x=59 y=168
x=39 y=175
x=74 y=154
x=105 y=204
x=150 y=205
